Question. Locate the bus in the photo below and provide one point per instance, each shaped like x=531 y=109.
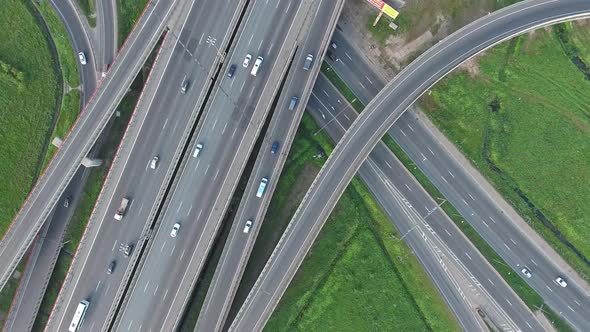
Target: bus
x=261 y=187
x=79 y=316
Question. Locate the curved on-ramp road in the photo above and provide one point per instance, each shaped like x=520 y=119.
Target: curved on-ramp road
x=368 y=129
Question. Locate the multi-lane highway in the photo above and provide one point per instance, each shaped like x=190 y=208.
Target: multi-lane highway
x=464 y=277
x=82 y=136
x=269 y=164
x=457 y=180
x=370 y=126
x=163 y=117
x=233 y=120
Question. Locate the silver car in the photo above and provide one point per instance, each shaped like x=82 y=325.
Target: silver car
x=82 y=57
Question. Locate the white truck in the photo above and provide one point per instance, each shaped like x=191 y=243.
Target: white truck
x=122 y=208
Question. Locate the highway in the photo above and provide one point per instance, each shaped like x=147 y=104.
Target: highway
x=163 y=117
x=459 y=182
x=233 y=120
x=370 y=126
x=282 y=129
x=90 y=123
x=434 y=238
x=106 y=23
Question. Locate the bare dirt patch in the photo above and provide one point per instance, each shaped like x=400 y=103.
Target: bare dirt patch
x=422 y=24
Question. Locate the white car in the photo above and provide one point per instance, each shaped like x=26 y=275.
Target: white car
x=561 y=282
x=82 y=57
x=247 y=61
x=257 y=65
x=526 y=272
x=198 y=149
x=175 y=229
x=247 y=226
x=154 y=162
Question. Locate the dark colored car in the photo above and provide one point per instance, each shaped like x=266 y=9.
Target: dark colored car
x=331 y=55
x=111 y=267
x=274 y=147
x=231 y=71
x=67 y=201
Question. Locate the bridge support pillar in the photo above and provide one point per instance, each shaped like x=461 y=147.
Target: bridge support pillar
x=88 y=163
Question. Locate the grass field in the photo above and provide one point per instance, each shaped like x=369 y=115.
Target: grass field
x=27 y=104
x=524 y=121
x=350 y=280
x=129 y=12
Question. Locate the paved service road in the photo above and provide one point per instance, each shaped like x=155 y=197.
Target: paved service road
x=232 y=122
x=81 y=138
x=377 y=118
x=166 y=116
x=281 y=130
x=107 y=25
x=426 y=228
x=80 y=43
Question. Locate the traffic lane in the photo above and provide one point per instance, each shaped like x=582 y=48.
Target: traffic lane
x=214 y=311
x=212 y=128
x=164 y=110
x=81 y=43
x=353 y=69
x=108 y=29
x=206 y=236
x=63 y=166
x=420 y=201
x=495 y=226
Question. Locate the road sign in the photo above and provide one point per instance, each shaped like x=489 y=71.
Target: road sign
x=385 y=8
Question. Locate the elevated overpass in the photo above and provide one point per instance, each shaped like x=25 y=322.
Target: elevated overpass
x=82 y=136
x=368 y=129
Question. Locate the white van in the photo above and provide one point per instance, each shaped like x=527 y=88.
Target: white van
x=257 y=64
x=261 y=187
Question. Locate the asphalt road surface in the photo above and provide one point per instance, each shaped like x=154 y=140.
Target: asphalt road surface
x=232 y=122
x=427 y=229
x=80 y=43
x=159 y=133
x=81 y=138
x=365 y=133
x=269 y=164
x=106 y=14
